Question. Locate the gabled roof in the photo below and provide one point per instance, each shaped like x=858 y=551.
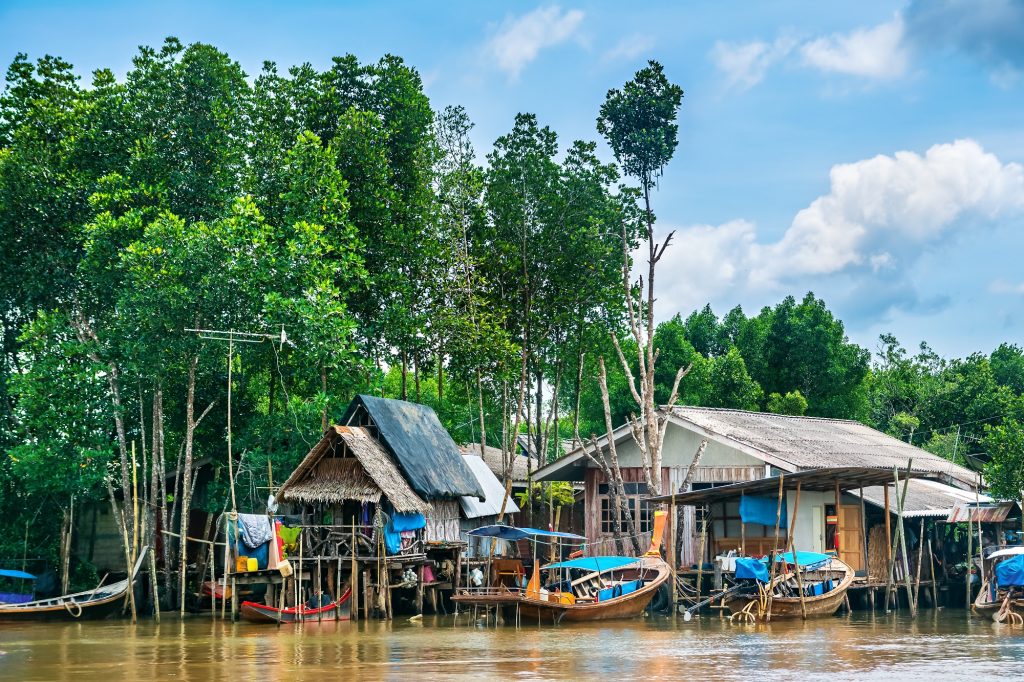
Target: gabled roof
x=797 y=443
x=789 y=443
x=326 y=475
x=422 y=449
x=493 y=458
x=473 y=508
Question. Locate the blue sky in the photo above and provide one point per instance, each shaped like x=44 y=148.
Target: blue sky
x=870 y=152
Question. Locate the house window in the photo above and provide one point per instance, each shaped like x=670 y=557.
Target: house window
x=725 y=522
x=641 y=510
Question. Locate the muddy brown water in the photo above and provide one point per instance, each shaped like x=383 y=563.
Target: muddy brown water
x=941 y=645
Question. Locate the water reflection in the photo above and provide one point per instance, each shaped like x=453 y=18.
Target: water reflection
x=940 y=643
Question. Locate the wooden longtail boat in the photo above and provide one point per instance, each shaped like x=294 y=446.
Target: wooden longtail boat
x=1001 y=597
x=255 y=612
x=581 y=589
x=827 y=582
x=101 y=602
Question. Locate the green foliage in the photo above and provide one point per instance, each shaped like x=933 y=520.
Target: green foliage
x=639 y=122
x=1004 y=443
x=792 y=403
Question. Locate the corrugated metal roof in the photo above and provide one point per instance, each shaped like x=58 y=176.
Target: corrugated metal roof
x=473 y=508
x=924 y=498
x=984 y=513
x=813 y=479
x=423 y=450
x=493 y=458
x=810 y=442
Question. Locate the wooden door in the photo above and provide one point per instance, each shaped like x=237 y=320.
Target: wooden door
x=851 y=536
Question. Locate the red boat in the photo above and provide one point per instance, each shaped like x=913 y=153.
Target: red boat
x=255 y=612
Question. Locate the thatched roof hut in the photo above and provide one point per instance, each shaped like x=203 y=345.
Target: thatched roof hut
x=422 y=448
x=349 y=464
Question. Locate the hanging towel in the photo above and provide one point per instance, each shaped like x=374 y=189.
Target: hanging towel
x=254 y=529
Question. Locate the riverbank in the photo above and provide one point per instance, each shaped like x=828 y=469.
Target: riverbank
x=940 y=644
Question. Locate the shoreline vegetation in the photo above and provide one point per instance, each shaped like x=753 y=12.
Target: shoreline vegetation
x=341 y=217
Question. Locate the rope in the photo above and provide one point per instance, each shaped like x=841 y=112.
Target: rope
x=72 y=603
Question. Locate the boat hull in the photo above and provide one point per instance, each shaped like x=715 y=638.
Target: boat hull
x=102 y=602
x=816 y=607
x=627 y=606
x=254 y=612
x=994 y=609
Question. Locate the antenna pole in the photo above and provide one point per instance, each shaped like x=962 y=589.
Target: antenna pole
x=231 y=465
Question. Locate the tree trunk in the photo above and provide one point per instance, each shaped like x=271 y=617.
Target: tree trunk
x=405 y=376
x=186 y=478
x=323 y=387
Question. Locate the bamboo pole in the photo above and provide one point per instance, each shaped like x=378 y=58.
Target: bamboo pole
x=903 y=548
x=213 y=585
x=775 y=546
x=135 y=505
x=931 y=569
x=227 y=559
x=888 y=533
x=970 y=563
x=743 y=530
x=864 y=532
x=792 y=547
x=673 y=552
x=920 y=556
x=891 y=548
x=838 y=538
x=354 y=609
x=298 y=580
x=700 y=556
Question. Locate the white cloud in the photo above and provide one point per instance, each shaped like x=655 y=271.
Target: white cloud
x=629 y=47
x=518 y=40
x=877 y=52
x=1001 y=286
x=877 y=219
x=745 y=64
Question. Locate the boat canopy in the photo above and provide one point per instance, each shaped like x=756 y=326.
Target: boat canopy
x=596 y=563
x=22 y=575
x=513 y=533
x=1010 y=573
x=1007 y=551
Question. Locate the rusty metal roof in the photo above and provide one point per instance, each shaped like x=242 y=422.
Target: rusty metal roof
x=984 y=513
x=924 y=498
x=812 y=443
x=813 y=479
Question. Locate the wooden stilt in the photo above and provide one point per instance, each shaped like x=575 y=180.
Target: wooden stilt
x=792 y=548
x=931 y=569
x=864 y=529
x=673 y=552
x=743 y=530
x=970 y=565
x=775 y=546
x=419 y=589
x=354 y=582
x=920 y=556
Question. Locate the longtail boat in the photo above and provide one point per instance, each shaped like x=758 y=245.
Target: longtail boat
x=254 y=612
x=1002 y=592
x=100 y=602
x=579 y=589
x=824 y=580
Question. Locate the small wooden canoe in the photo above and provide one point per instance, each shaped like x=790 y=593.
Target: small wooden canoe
x=101 y=602
x=825 y=604
x=1000 y=608
x=255 y=612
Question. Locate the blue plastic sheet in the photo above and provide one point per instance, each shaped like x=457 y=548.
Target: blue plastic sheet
x=1010 y=573
x=762 y=510
x=751 y=568
x=805 y=559
x=401 y=522
x=596 y=563
x=513 y=533
x=20 y=575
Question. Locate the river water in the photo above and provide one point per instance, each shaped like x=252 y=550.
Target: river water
x=942 y=644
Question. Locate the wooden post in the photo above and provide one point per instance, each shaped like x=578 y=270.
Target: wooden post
x=419 y=589
x=838 y=538
x=700 y=557
x=920 y=556
x=213 y=584
x=318 y=589
x=864 y=531
x=970 y=562
x=890 y=578
x=299 y=591
x=981 y=541
x=743 y=530
x=673 y=552
x=367 y=593
x=457 y=578
x=792 y=548
x=227 y=562
x=888 y=535
x=156 y=588
x=354 y=582
x=931 y=569
x=903 y=549
x=775 y=547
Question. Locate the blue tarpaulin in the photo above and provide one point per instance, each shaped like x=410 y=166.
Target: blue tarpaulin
x=763 y=510
x=1010 y=573
x=413 y=521
x=513 y=533
x=805 y=559
x=596 y=563
x=20 y=575
x=751 y=568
